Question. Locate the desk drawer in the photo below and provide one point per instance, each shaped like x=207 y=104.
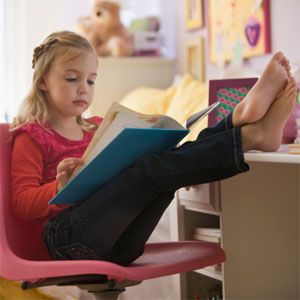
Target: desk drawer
x=202 y=197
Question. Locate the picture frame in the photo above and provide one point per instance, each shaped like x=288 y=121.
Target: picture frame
x=229 y=92
x=194 y=58
x=193 y=14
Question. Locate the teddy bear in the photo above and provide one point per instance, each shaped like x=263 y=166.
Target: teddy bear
x=103 y=28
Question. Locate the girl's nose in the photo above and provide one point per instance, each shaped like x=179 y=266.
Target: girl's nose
x=83 y=87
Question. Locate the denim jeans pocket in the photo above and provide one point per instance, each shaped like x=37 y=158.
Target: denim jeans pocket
x=76 y=251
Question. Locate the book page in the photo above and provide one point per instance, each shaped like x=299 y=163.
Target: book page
x=121 y=120
x=117 y=118
x=110 y=117
x=167 y=122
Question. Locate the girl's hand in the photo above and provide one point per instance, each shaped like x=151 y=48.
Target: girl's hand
x=65 y=170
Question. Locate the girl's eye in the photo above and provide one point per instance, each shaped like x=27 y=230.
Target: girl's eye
x=91 y=82
x=71 y=79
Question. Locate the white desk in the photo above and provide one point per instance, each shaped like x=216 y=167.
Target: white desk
x=258 y=212
x=260 y=228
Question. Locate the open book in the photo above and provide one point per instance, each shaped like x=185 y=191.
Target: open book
x=123 y=137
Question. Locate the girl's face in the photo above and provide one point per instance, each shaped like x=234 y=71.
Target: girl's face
x=69 y=85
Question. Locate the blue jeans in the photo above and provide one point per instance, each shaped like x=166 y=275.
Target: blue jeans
x=115 y=222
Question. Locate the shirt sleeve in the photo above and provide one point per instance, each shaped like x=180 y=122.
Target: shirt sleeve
x=29 y=196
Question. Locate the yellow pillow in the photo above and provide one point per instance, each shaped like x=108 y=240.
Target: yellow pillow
x=190 y=97
x=181 y=101
x=149 y=100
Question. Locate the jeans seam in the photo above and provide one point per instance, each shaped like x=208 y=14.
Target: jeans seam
x=235 y=150
x=228 y=122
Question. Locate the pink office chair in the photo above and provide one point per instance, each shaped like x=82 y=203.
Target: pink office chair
x=24 y=258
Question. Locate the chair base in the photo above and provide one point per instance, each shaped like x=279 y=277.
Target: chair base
x=107 y=295
x=66 y=280
x=99 y=285
x=108 y=291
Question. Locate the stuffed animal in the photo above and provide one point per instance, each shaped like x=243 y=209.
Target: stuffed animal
x=105 y=31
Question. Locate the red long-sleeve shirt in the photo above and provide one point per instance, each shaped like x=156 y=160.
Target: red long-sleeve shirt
x=37 y=150
x=29 y=196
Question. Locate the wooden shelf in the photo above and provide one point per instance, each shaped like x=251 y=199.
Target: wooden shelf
x=197 y=206
x=212 y=274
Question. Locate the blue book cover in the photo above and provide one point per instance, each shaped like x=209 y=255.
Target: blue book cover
x=128 y=146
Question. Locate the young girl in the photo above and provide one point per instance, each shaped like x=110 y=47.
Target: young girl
x=49 y=137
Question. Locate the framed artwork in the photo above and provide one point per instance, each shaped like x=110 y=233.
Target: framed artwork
x=229 y=92
x=193 y=14
x=194 y=58
x=238 y=29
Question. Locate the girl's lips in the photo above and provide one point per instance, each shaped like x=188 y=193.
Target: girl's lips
x=80 y=102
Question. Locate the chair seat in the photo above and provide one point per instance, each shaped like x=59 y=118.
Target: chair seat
x=159 y=259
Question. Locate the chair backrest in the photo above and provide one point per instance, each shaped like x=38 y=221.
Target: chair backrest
x=17 y=237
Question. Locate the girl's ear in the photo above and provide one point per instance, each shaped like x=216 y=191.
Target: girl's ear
x=42 y=84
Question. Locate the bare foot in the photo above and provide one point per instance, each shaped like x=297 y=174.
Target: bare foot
x=266 y=134
x=264 y=92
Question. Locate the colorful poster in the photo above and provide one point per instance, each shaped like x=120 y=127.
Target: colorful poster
x=238 y=29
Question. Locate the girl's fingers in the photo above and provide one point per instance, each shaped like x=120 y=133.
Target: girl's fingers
x=65 y=169
x=61 y=176
x=65 y=166
x=74 y=159
x=69 y=164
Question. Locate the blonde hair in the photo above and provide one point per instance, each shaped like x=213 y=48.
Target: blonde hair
x=63 y=45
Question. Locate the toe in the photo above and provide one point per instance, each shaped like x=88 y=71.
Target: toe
x=292 y=82
x=290 y=89
x=286 y=64
x=290 y=85
x=293 y=91
x=279 y=56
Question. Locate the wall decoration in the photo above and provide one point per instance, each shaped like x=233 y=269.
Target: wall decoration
x=238 y=29
x=194 y=58
x=229 y=92
x=193 y=14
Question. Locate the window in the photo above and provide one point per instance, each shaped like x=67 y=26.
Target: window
x=6 y=73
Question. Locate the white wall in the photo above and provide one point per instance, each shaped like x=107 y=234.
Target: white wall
x=36 y=20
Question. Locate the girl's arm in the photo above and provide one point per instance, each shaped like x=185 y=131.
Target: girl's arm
x=29 y=196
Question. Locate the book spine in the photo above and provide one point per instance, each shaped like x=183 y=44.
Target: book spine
x=206 y=238
x=208 y=231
